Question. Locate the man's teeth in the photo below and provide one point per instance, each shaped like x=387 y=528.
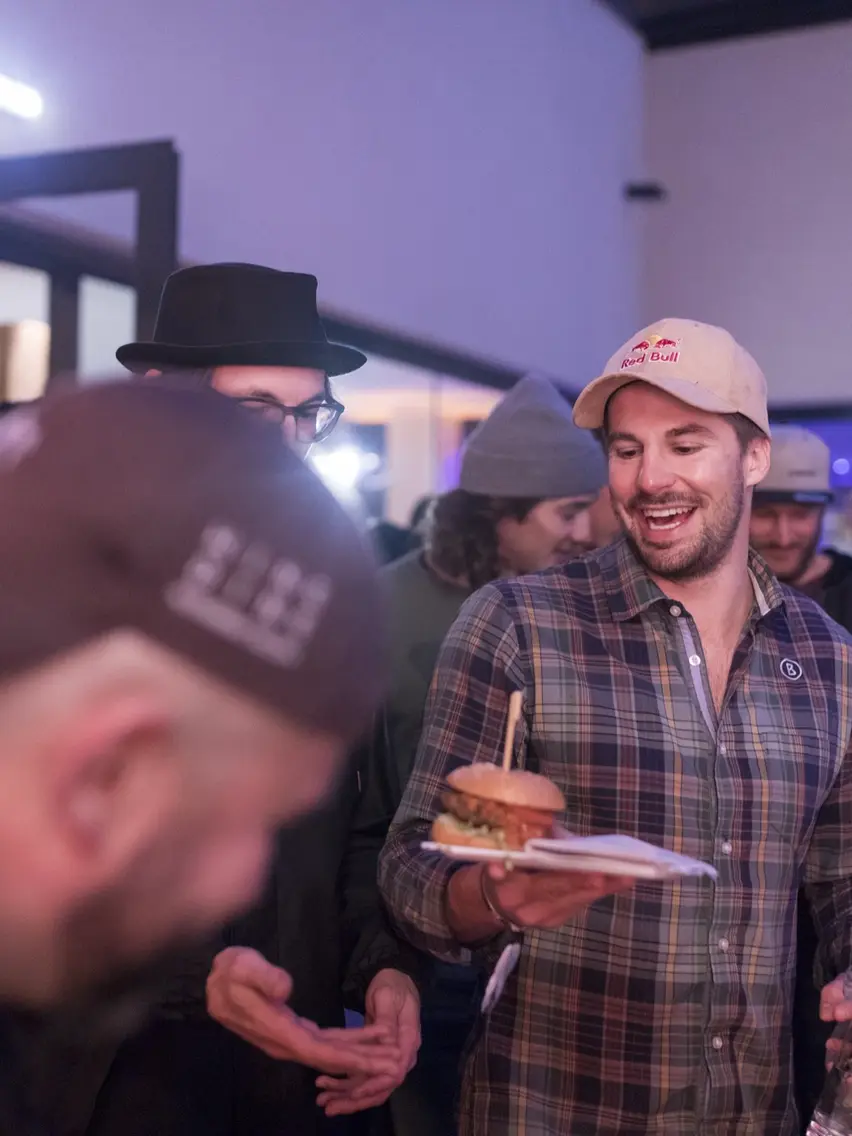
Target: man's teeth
x=666 y=518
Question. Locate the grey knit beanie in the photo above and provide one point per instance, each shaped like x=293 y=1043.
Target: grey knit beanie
x=528 y=446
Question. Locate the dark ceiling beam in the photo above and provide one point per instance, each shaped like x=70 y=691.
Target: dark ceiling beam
x=681 y=23
x=64 y=321
x=428 y=356
x=38 y=242
x=734 y=19
x=65 y=173
x=148 y=169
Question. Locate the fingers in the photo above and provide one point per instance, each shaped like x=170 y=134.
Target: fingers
x=832 y=1048
x=549 y=899
x=341 y=1097
x=243 y=966
x=832 y=1005
x=409 y=1046
x=282 y=1035
x=338 y=1057
x=408 y=1037
x=384 y=1009
x=360 y=1035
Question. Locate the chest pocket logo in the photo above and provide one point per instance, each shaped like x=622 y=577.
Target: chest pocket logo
x=791 y=670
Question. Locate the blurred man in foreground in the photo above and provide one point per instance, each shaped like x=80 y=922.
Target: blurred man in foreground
x=786 y=528
x=319 y=939
x=176 y=677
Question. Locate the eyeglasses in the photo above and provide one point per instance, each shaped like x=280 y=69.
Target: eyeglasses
x=313 y=419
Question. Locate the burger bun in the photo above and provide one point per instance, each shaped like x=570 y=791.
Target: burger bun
x=509 y=786
x=446 y=830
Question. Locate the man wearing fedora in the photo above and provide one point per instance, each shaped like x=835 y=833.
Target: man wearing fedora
x=254 y=334
x=319 y=941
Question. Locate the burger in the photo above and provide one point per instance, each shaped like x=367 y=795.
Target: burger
x=491 y=807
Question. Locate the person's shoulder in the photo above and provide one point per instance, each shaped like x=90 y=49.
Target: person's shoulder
x=408 y=567
x=808 y=619
x=568 y=587
x=579 y=576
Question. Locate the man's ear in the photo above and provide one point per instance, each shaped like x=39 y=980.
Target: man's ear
x=115 y=777
x=757 y=459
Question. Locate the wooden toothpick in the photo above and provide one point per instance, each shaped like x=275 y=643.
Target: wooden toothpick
x=515 y=702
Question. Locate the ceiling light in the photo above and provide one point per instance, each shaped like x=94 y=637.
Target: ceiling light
x=19 y=99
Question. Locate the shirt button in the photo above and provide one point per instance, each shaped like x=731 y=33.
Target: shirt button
x=675 y=610
x=723 y=749
x=727 y=847
x=694 y=661
x=717 y=1042
x=723 y=944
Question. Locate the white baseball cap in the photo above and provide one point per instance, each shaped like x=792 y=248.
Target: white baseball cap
x=800 y=469
x=699 y=364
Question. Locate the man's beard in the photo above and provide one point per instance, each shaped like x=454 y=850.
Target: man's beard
x=108 y=992
x=704 y=555
x=102 y=975
x=802 y=564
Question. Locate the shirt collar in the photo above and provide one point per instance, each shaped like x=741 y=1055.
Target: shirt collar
x=630 y=590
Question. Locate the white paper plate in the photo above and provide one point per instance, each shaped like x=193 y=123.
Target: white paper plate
x=611 y=855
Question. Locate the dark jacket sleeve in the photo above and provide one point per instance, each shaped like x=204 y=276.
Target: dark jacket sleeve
x=369 y=941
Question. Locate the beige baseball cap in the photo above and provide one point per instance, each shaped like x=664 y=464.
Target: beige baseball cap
x=800 y=469
x=699 y=364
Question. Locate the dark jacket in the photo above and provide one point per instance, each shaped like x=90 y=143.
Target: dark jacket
x=423 y=608
x=834 y=593
x=837 y=589
x=183 y=1075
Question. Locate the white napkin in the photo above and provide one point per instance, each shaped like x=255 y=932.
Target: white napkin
x=624 y=848
x=506 y=963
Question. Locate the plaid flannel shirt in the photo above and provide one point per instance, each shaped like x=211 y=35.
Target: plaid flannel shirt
x=666 y=1009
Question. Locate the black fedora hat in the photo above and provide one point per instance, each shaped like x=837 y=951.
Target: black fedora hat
x=221 y=315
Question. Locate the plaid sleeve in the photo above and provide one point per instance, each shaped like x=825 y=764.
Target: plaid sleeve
x=828 y=875
x=465 y=720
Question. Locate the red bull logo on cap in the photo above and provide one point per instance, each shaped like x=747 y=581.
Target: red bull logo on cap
x=654 y=349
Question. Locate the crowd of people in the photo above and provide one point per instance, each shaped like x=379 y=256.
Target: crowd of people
x=227 y=736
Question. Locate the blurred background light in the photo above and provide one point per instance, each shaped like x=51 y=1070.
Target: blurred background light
x=19 y=99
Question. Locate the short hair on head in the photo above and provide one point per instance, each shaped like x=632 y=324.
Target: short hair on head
x=745 y=430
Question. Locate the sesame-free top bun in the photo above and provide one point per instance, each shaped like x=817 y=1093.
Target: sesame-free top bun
x=511 y=787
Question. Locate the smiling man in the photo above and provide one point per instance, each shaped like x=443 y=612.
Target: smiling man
x=677 y=693
x=787 y=518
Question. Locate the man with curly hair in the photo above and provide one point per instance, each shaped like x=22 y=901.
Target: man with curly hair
x=528 y=479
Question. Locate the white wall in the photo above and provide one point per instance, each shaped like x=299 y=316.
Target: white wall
x=423 y=415
x=24 y=294
x=452 y=168
x=107 y=315
x=107 y=320
x=753 y=140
